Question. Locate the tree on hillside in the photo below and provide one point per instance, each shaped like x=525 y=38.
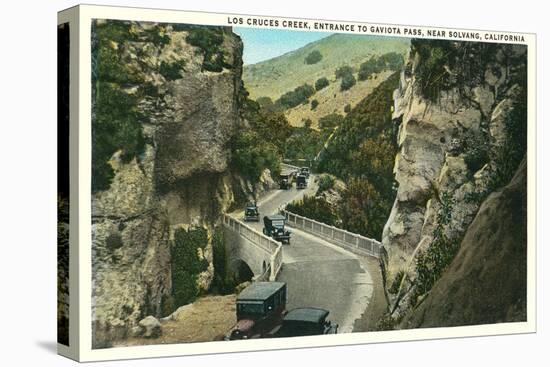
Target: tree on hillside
x=348 y=81
x=313 y=57
x=372 y=66
x=321 y=83
x=343 y=71
x=314 y=104
x=296 y=97
x=394 y=61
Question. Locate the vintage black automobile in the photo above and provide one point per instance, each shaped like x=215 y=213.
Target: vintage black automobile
x=251 y=213
x=305 y=171
x=274 y=226
x=306 y=321
x=260 y=309
x=301 y=181
x=285 y=181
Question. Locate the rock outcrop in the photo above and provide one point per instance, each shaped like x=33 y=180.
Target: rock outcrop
x=449 y=148
x=182 y=179
x=485 y=283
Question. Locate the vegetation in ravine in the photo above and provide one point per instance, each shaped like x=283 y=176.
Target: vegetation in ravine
x=362 y=154
x=304 y=142
x=330 y=121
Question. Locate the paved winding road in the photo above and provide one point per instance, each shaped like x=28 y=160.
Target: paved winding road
x=318 y=273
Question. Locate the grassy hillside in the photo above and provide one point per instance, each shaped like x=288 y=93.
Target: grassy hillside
x=275 y=77
x=333 y=100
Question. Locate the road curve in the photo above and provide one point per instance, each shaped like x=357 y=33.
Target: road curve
x=318 y=273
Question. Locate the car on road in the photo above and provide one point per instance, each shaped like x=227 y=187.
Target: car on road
x=285 y=180
x=251 y=213
x=305 y=171
x=306 y=321
x=274 y=227
x=301 y=181
x=260 y=308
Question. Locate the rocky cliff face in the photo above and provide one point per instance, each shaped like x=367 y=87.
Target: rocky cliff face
x=182 y=179
x=451 y=153
x=486 y=282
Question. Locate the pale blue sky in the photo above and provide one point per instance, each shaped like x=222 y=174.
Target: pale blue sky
x=263 y=44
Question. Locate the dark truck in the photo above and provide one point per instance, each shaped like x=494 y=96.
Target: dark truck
x=260 y=309
x=305 y=171
x=285 y=180
x=301 y=181
x=251 y=213
x=274 y=226
x=306 y=321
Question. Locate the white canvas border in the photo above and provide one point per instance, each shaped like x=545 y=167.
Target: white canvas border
x=81 y=334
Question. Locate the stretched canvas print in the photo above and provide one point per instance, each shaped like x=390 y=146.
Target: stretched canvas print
x=237 y=183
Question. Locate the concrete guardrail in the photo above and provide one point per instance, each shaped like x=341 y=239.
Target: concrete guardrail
x=273 y=248
x=345 y=239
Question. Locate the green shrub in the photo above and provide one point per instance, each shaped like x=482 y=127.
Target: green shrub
x=330 y=121
x=509 y=155
x=296 y=97
x=223 y=283
x=444 y=65
x=364 y=210
x=477 y=155
x=157 y=35
x=116 y=123
x=186 y=263
x=394 y=287
x=393 y=60
x=431 y=262
x=314 y=208
x=313 y=57
x=303 y=143
x=326 y=182
x=314 y=104
x=348 y=81
x=116 y=126
x=251 y=154
x=172 y=70
x=209 y=40
x=321 y=83
x=386 y=322
x=374 y=65
x=113 y=241
x=343 y=71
